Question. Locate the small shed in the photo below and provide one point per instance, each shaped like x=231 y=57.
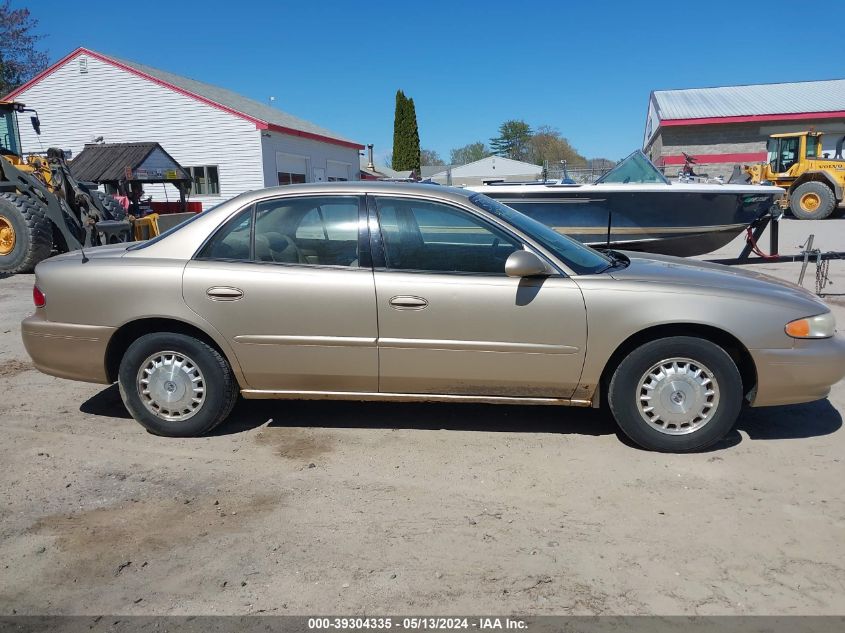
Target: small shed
x=126 y=167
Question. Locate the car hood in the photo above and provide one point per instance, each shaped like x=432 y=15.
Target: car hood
x=714 y=279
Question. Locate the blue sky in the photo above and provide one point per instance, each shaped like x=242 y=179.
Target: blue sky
x=585 y=68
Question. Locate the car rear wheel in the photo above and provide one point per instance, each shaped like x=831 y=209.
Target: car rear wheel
x=676 y=394
x=176 y=385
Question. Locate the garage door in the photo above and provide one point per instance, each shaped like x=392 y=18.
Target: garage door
x=291 y=168
x=337 y=171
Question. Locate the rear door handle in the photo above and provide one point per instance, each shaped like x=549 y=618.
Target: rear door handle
x=224 y=293
x=406 y=302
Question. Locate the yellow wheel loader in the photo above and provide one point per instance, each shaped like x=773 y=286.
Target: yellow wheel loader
x=814 y=182
x=43 y=208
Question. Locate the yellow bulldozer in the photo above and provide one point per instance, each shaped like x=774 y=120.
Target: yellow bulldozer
x=43 y=208
x=796 y=162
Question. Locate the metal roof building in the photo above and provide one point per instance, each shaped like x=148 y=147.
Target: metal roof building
x=726 y=125
x=227 y=142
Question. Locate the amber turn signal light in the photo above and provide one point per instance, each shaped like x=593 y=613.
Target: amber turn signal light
x=799 y=328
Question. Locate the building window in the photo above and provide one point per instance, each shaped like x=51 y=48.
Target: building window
x=206 y=180
x=337 y=179
x=287 y=178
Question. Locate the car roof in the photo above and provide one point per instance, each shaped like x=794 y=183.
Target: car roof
x=358 y=187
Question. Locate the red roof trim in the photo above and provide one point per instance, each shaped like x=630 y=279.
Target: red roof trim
x=751 y=118
x=310 y=135
x=259 y=124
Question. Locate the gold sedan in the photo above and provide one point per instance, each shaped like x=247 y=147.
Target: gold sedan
x=384 y=291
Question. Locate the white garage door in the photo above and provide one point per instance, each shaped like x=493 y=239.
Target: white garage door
x=291 y=168
x=337 y=171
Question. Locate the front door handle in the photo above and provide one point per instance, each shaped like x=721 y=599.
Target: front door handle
x=406 y=302
x=224 y=293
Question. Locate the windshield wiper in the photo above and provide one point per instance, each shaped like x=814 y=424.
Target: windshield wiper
x=617 y=259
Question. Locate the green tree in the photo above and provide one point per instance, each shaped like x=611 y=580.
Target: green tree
x=19 y=60
x=415 y=138
x=514 y=140
x=430 y=157
x=547 y=144
x=406 y=135
x=469 y=153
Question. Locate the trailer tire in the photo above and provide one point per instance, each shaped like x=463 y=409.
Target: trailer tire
x=812 y=201
x=113 y=209
x=26 y=233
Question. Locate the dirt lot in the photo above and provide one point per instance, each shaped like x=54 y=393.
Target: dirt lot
x=303 y=508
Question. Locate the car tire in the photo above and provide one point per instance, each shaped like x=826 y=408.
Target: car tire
x=812 y=201
x=176 y=385
x=676 y=394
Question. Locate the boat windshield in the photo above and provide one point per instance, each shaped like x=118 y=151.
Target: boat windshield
x=637 y=168
x=583 y=260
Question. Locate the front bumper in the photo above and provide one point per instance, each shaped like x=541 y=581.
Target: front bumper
x=802 y=373
x=67 y=350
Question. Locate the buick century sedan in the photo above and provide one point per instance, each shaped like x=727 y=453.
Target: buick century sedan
x=403 y=292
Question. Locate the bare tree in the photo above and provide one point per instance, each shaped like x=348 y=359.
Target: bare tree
x=430 y=157
x=547 y=144
x=19 y=59
x=469 y=153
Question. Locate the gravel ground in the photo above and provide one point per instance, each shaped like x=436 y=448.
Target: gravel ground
x=355 y=508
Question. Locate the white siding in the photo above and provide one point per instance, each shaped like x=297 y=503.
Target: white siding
x=108 y=101
x=318 y=155
x=489 y=168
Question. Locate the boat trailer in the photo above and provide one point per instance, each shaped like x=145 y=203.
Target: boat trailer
x=807 y=255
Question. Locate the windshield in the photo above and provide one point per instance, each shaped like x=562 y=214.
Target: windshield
x=583 y=260
x=636 y=168
x=9 y=141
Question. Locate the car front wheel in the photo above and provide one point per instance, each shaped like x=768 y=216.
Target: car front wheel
x=176 y=385
x=676 y=394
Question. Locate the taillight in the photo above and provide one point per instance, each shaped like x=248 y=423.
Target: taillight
x=38 y=297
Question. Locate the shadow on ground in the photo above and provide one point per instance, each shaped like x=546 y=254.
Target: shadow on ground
x=813 y=419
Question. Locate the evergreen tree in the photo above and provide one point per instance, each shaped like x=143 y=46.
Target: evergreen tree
x=414 y=148
x=399 y=131
x=406 y=136
x=513 y=141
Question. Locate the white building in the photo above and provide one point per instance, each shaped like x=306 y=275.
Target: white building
x=490 y=168
x=229 y=143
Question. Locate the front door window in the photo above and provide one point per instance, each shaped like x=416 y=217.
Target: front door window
x=434 y=237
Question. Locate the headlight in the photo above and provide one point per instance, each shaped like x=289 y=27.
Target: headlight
x=821 y=326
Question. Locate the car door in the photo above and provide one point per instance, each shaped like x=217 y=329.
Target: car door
x=452 y=322
x=289 y=284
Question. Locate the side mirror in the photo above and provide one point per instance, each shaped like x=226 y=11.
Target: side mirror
x=36 y=124
x=526 y=264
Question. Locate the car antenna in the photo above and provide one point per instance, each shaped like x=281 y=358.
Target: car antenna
x=84 y=256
